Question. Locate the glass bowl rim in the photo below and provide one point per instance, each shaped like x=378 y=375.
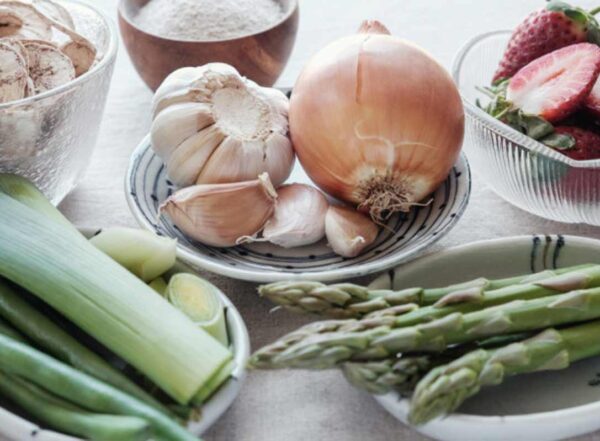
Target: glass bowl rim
x=500 y=128
x=107 y=59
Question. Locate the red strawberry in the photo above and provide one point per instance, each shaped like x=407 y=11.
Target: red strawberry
x=555 y=85
x=587 y=143
x=556 y=26
x=592 y=102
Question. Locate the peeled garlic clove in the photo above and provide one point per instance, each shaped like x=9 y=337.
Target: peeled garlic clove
x=244 y=159
x=251 y=121
x=189 y=158
x=48 y=67
x=176 y=124
x=348 y=231
x=13 y=74
x=10 y=22
x=299 y=217
x=220 y=214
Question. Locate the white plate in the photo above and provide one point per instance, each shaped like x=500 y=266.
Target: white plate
x=147 y=187
x=15 y=428
x=535 y=407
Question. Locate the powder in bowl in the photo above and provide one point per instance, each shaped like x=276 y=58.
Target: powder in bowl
x=201 y=20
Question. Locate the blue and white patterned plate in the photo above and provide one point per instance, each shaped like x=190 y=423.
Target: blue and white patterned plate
x=407 y=235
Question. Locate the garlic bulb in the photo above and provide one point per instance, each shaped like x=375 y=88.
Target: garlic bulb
x=348 y=231
x=299 y=217
x=211 y=125
x=221 y=214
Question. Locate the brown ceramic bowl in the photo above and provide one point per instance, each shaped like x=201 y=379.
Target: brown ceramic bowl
x=260 y=56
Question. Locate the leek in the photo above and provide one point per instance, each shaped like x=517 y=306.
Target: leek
x=200 y=301
x=52 y=338
x=108 y=302
x=142 y=252
x=159 y=285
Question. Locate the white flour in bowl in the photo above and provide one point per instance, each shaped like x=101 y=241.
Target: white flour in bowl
x=207 y=19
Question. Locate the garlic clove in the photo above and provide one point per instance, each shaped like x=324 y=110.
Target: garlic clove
x=237 y=160
x=176 y=124
x=348 y=231
x=299 y=217
x=189 y=158
x=221 y=214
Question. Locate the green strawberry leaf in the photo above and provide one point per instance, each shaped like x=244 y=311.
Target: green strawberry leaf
x=559 y=141
x=593 y=35
x=577 y=15
x=534 y=126
x=558 y=6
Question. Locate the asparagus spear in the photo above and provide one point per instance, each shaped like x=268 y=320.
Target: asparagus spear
x=446 y=387
x=83 y=390
x=402 y=373
x=326 y=350
x=64 y=416
x=347 y=300
x=410 y=314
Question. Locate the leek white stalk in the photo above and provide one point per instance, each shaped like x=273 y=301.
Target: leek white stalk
x=200 y=301
x=142 y=252
x=159 y=285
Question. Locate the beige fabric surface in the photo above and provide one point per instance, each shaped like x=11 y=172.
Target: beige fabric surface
x=294 y=405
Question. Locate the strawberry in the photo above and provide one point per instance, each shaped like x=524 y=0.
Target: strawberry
x=555 y=85
x=592 y=102
x=587 y=143
x=543 y=31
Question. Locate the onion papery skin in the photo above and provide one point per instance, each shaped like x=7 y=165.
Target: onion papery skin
x=376 y=121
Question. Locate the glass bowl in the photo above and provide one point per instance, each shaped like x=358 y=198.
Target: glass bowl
x=521 y=170
x=49 y=138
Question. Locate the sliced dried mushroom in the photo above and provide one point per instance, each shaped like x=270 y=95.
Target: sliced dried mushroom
x=55 y=11
x=34 y=26
x=48 y=67
x=10 y=22
x=17 y=45
x=13 y=74
x=29 y=88
x=82 y=55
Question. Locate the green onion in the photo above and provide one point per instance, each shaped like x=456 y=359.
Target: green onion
x=159 y=285
x=52 y=338
x=108 y=302
x=61 y=415
x=200 y=301
x=144 y=253
x=83 y=390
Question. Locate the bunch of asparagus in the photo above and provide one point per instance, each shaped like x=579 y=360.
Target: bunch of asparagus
x=440 y=345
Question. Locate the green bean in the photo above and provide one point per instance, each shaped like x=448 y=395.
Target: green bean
x=82 y=389
x=67 y=418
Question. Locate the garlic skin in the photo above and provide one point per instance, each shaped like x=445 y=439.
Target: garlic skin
x=221 y=214
x=348 y=231
x=299 y=217
x=211 y=125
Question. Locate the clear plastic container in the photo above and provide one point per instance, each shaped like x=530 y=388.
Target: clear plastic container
x=49 y=138
x=521 y=170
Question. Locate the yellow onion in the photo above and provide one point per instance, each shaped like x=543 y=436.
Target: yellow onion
x=376 y=121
